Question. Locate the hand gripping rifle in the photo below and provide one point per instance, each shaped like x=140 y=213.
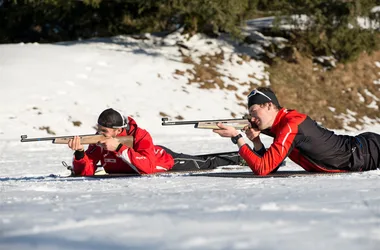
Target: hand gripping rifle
x=210 y=124
x=85 y=139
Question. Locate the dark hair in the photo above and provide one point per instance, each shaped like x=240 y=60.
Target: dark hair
x=263 y=95
x=111 y=118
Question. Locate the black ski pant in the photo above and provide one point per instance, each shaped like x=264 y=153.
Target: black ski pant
x=185 y=162
x=366 y=154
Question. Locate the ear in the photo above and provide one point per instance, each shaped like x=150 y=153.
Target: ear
x=118 y=131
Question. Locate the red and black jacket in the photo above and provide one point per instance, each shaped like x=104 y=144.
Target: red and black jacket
x=300 y=138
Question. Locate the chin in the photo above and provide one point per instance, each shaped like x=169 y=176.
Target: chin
x=261 y=127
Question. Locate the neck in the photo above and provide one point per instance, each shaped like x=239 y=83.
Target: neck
x=274 y=114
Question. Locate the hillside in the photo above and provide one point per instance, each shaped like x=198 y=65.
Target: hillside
x=346 y=97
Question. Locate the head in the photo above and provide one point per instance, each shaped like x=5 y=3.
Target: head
x=111 y=123
x=263 y=107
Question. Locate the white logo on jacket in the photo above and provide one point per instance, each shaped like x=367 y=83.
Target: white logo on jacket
x=158 y=151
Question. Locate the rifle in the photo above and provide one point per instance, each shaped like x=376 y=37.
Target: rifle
x=210 y=124
x=85 y=139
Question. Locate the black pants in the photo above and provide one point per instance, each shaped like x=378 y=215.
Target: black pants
x=367 y=154
x=185 y=162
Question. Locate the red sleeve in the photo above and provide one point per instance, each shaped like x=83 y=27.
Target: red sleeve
x=276 y=153
x=141 y=157
x=87 y=165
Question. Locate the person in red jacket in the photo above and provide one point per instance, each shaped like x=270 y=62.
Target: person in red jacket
x=303 y=140
x=143 y=158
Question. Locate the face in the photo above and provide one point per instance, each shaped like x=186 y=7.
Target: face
x=262 y=115
x=108 y=132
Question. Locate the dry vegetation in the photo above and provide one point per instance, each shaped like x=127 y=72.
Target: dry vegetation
x=308 y=88
x=77 y=123
x=206 y=73
x=207 y=76
x=48 y=130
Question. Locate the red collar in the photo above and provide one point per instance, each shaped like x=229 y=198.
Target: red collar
x=281 y=113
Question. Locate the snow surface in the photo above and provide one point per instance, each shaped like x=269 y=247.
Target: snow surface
x=54 y=85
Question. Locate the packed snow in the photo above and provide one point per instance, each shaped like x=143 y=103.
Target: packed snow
x=56 y=87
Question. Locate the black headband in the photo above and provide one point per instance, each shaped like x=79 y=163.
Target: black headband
x=261 y=97
x=111 y=118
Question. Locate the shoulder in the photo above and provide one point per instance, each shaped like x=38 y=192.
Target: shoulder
x=131 y=121
x=292 y=116
x=136 y=129
x=140 y=132
x=289 y=121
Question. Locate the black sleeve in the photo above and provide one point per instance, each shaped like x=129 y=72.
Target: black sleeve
x=79 y=154
x=261 y=151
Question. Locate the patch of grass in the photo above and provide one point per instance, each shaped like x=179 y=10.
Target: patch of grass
x=162 y=114
x=77 y=123
x=310 y=89
x=205 y=73
x=208 y=76
x=48 y=130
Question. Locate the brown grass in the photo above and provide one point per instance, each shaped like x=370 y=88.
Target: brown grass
x=77 y=123
x=48 y=130
x=207 y=75
x=302 y=87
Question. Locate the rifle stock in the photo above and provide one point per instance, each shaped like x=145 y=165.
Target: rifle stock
x=239 y=124
x=85 y=139
x=209 y=124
